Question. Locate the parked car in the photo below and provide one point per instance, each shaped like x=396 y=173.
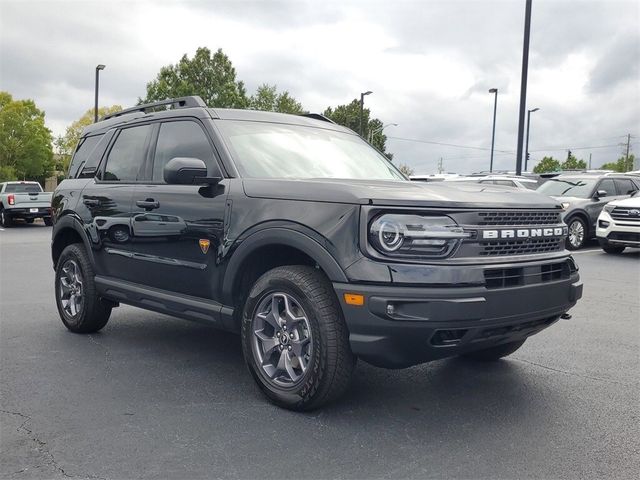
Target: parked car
x=296 y=233
x=582 y=198
x=503 y=180
x=619 y=225
x=24 y=200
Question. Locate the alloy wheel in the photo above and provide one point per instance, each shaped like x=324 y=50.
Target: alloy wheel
x=576 y=233
x=71 y=292
x=281 y=340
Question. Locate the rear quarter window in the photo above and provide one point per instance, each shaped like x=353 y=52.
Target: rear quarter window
x=82 y=157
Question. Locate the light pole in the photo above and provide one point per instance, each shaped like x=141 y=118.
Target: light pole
x=362 y=95
x=493 y=132
x=523 y=84
x=380 y=129
x=526 y=148
x=95 y=107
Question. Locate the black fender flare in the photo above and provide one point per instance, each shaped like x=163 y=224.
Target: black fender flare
x=67 y=222
x=280 y=236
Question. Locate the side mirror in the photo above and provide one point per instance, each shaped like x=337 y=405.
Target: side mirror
x=184 y=171
x=601 y=193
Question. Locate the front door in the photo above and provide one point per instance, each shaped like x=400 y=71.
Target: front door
x=178 y=229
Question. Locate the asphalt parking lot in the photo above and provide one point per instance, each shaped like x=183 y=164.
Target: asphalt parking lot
x=155 y=397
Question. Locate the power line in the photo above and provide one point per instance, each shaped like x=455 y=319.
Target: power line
x=431 y=142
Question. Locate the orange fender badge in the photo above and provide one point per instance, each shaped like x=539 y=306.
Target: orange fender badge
x=204 y=245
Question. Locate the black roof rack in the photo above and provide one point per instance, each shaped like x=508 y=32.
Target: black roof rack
x=182 y=102
x=317 y=116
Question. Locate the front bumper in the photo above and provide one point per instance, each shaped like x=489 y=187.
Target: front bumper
x=616 y=232
x=400 y=326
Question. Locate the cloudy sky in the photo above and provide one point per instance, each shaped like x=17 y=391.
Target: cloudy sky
x=429 y=63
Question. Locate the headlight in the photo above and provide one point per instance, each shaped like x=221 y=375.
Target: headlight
x=398 y=235
x=565 y=205
x=609 y=208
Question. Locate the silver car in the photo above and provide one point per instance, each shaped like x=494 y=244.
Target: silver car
x=583 y=198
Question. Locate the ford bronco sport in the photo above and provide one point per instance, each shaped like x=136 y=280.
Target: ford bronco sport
x=294 y=232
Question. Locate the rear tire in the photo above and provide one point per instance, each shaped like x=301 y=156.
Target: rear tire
x=5 y=220
x=48 y=221
x=300 y=355
x=79 y=306
x=495 y=353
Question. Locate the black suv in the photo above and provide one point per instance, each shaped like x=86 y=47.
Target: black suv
x=297 y=233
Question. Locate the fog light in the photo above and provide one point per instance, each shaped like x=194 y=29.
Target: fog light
x=603 y=223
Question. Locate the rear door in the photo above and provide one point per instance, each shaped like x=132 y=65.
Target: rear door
x=107 y=201
x=178 y=229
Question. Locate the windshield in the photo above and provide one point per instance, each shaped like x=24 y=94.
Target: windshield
x=568 y=187
x=22 y=187
x=269 y=150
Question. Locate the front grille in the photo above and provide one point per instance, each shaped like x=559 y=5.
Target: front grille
x=531 y=275
x=519 y=218
x=624 y=236
x=623 y=213
x=521 y=247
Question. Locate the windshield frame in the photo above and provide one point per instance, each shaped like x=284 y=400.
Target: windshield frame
x=560 y=178
x=236 y=164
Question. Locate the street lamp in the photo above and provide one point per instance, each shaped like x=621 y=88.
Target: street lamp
x=95 y=107
x=493 y=132
x=380 y=129
x=526 y=150
x=362 y=95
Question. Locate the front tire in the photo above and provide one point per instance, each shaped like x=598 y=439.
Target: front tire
x=609 y=248
x=495 y=353
x=79 y=306
x=577 y=233
x=294 y=338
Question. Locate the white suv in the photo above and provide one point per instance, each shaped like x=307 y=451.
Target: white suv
x=618 y=225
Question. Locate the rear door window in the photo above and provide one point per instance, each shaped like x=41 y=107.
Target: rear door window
x=127 y=155
x=625 y=186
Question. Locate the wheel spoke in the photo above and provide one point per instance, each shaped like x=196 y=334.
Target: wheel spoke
x=289 y=367
x=297 y=346
x=269 y=344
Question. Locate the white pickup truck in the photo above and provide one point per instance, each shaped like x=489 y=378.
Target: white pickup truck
x=25 y=200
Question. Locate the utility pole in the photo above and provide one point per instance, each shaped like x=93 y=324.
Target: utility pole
x=523 y=85
x=589 y=161
x=440 y=169
x=626 y=159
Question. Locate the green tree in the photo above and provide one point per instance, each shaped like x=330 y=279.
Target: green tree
x=621 y=165
x=572 y=163
x=547 y=164
x=212 y=77
x=268 y=99
x=66 y=144
x=349 y=116
x=406 y=169
x=25 y=141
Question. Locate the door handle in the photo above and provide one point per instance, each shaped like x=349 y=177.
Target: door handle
x=148 y=204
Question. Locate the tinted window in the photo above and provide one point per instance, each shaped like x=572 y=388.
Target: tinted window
x=625 y=186
x=127 y=155
x=270 y=150
x=80 y=158
x=180 y=139
x=608 y=186
x=568 y=187
x=22 y=187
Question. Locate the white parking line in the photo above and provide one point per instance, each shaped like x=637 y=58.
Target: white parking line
x=594 y=250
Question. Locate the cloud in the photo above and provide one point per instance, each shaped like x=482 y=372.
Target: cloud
x=428 y=63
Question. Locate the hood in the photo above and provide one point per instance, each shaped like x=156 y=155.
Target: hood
x=633 y=202
x=570 y=200
x=397 y=193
